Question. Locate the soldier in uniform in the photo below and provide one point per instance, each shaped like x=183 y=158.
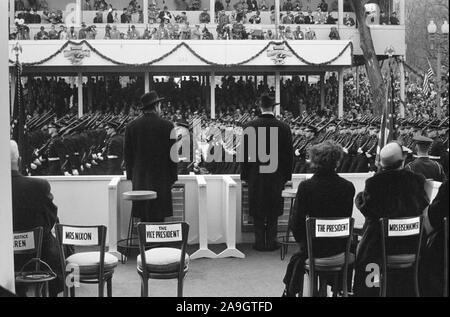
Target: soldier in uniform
x=423 y=165
x=56 y=151
x=113 y=154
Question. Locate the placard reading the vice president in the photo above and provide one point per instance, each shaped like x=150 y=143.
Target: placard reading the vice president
x=80 y=236
x=163 y=233
x=24 y=241
x=332 y=228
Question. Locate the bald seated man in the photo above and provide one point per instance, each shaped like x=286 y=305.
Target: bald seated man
x=391 y=193
x=33 y=207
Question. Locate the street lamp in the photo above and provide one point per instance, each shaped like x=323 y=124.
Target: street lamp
x=437 y=40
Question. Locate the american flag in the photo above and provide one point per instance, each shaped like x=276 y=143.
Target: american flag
x=19 y=128
x=426 y=80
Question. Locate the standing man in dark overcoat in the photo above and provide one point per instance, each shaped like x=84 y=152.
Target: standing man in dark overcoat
x=265 y=187
x=148 y=161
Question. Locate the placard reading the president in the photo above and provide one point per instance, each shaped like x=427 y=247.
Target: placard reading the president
x=24 y=241
x=403 y=227
x=332 y=228
x=163 y=233
x=80 y=236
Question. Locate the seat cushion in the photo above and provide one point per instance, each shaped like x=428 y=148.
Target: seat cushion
x=401 y=260
x=89 y=262
x=335 y=261
x=163 y=260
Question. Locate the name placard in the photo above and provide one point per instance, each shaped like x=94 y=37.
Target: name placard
x=163 y=233
x=24 y=241
x=332 y=228
x=80 y=236
x=403 y=227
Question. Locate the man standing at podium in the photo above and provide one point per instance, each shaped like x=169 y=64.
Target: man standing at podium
x=148 y=162
x=266 y=175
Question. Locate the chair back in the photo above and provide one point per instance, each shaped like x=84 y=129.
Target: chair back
x=329 y=228
x=29 y=242
x=400 y=236
x=445 y=257
x=154 y=235
x=81 y=236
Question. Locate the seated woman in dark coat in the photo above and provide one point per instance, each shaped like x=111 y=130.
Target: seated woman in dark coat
x=325 y=195
x=432 y=261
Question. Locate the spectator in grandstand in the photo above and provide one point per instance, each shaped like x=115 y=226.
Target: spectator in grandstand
x=63 y=34
x=87 y=6
x=393 y=19
x=348 y=20
x=152 y=14
x=204 y=17
x=82 y=32
x=309 y=19
x=207 y=35
x=42 y=34
x=310 y=34
x=133 y=34
x=288 y=18
x=196 y=33
x=287 y=6
x=115 y=34
x=73 y=34
x=325 y=195
x=334 y=34
x=98 y=17
x=298 y=34
x=110 y=16
x=53 y=34
x=384 y=19
x=323 y=6
x=299 y=18
x=195 y=5
x=392 y=193
x=165 y=16
x=256 y=18
x=91 y=32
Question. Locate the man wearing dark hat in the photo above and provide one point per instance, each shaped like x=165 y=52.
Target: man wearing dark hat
x=114 y=149
x=423 y=164
x=56 y=151
x=148 y=161
x=264 y=188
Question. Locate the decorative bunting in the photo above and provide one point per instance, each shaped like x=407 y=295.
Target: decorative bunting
x=192 y=51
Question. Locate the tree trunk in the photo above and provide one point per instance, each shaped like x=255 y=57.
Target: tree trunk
x=377 y=86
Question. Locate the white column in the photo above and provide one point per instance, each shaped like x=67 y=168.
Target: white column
x=12 y=11
x=79 y=13
x=341 y=11
x=402 y=12
x=402 y=89
x=80 y=95
x=212 y=84
x=145 y=11
x=277 y=92
x=147 y=82
x=212 y=14
x=322 y=90
x=341 y=94
x=277 y=16
x=6 y=228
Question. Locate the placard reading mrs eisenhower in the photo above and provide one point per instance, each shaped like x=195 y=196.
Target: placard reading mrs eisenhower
x=401 y=227
x=80 y=236
x=332 y=228
x=163 y=233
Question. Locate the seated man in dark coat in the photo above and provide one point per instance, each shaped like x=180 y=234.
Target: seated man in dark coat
x=325 y=195
x=33 y=207
x=432 y=260
x=392 y=193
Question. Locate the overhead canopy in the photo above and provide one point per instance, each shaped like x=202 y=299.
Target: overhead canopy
x=141 y=53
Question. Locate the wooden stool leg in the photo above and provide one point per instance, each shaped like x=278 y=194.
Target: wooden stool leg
x=72 y=291
x=312 y=284
x=323 y=286
x=180 y=286
x=101 y=287
x=109 y=287
x=144 y=288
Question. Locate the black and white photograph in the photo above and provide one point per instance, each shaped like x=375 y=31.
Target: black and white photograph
x=224 y=155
